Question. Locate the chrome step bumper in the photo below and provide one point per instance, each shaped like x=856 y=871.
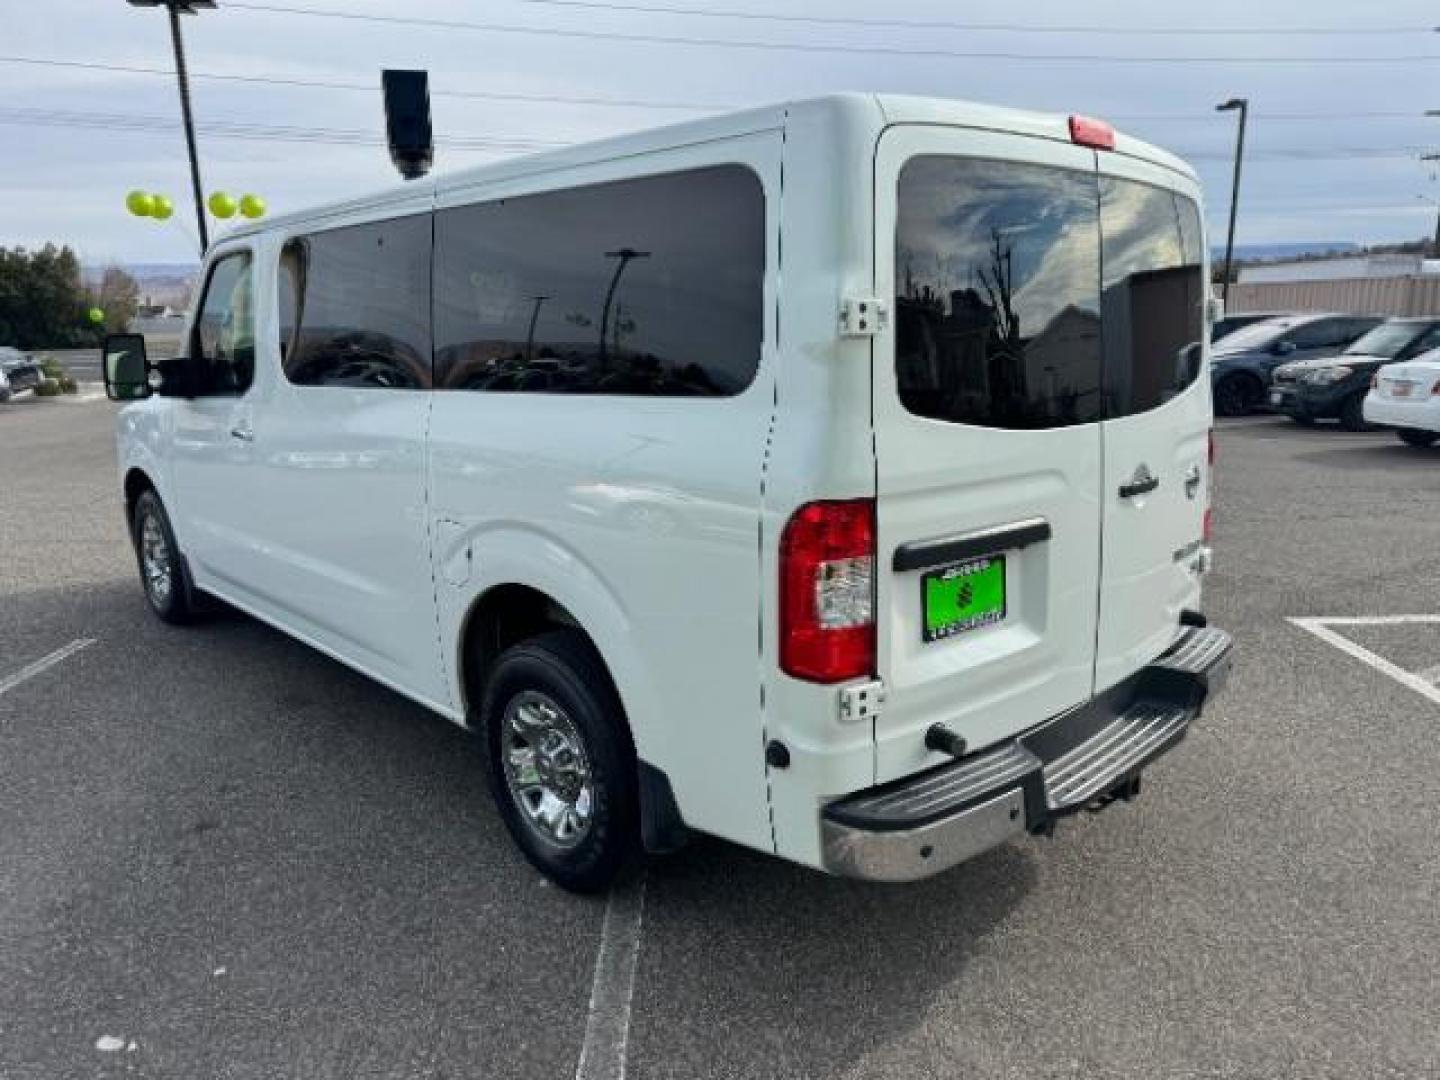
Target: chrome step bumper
x=929 y=822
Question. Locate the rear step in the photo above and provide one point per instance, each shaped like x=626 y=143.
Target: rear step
x=1104 y=760
x=918 y=825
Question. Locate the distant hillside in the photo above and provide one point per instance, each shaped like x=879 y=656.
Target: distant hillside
x=160 y=283
x=1303 y=249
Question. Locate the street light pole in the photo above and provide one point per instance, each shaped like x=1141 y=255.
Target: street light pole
x=625 y=255
x=1435 y=247
x=176 y=8
x=1243 y=105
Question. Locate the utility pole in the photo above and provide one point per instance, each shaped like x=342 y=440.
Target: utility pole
x=1435 y=246
x=625 y=255
x=176 y=8
x=1243 y=105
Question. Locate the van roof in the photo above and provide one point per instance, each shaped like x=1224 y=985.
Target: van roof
x=875 y=111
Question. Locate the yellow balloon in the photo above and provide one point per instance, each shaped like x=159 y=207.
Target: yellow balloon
x=252 y=206
x=222 y=205
x=163 y=207
x=140 y=203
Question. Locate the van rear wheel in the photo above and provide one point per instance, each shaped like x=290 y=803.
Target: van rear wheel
x=562 y=768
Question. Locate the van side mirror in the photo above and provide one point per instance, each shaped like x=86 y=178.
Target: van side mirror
x=126 y=369
x=1282 y=348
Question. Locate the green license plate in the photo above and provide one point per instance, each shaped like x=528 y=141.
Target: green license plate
x=963 y=596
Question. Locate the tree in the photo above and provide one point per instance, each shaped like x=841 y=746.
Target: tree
x=42 y=301
x=119 y=298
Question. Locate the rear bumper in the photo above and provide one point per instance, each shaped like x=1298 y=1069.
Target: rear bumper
x=923 y=824
x=1423 y=414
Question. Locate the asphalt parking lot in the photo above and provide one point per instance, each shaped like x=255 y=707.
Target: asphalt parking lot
x=223 y=855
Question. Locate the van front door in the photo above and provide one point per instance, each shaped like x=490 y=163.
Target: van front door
x=1158 y=415
x=987 y=402
x=210 y=447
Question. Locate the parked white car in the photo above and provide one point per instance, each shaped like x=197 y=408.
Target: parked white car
x=872 y=559
x=1406 y=397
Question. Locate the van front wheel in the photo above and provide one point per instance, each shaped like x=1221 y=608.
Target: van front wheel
x=162 y=571
x=562 y=767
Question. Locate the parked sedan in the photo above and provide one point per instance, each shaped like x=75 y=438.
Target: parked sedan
x=1226 y=325
x=21 y=371
x=1240 y=366
x=1335 y=387
x=1406 y=397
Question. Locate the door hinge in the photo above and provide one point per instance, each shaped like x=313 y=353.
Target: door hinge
x=861 y=701
x=863 y=316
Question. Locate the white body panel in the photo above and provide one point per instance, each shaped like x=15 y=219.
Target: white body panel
x=370 y=523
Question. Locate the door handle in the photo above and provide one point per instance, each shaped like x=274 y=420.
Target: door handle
x=1142 y=483
x=242 y=431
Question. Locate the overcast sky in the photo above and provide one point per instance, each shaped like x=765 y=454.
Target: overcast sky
x=1351 y=174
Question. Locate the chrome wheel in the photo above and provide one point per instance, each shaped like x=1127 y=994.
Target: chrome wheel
x=155 y=561
x=547 y=769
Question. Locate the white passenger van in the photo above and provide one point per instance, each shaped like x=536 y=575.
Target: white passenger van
x=832 y=478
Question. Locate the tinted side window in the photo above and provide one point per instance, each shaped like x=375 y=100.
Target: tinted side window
x=1153 y=299
x=998 y=306
x=1322 y=332
x=652 y=286
x=361 y=305
x=223 y=341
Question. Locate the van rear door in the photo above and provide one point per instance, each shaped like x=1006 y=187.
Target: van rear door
x=1158 y=413
x=988 y=445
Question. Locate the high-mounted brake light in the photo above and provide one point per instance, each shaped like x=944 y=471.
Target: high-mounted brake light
x=827 y=591
x=1087 y=131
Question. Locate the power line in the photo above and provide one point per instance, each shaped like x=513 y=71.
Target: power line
x=271 y=80
x=981 y=27
x=637 y=103
x=806 y=47
x=233 y=129
x=129 y=122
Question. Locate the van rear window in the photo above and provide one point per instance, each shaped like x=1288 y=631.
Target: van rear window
x=1036 y=297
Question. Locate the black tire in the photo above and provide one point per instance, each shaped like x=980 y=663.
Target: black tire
x=1352 y=413
x=1237 y=395
x=1415 y=437
x=559 y=673
x=170 y=600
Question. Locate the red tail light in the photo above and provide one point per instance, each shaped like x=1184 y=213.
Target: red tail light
x=1087 y=131
x=827 y=591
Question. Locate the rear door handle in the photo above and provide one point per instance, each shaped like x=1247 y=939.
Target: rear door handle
x=243 y=431
x=1143 y=482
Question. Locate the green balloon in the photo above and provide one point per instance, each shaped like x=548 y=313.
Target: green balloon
x=163 y=208
x=97 y=316
x=222 y=205
x=252 y=206
x=140 y=203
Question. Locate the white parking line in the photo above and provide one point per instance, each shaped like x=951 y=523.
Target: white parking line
x=1422 y=683
x=607 y=1027
x=29 y=671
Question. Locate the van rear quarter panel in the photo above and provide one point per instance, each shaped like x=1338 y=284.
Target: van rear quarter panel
x=640 y=515
x=822 y=446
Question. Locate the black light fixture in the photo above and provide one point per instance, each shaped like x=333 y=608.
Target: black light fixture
x=407 y=121
x=176 y=8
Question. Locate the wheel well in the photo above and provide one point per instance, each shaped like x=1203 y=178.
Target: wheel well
x=504 y=616
x=136 y=484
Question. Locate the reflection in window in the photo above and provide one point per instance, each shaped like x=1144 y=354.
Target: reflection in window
x=651 y=286
x=998 y=318
x=1153 y=301
x=360 y=306
x=224 y=339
